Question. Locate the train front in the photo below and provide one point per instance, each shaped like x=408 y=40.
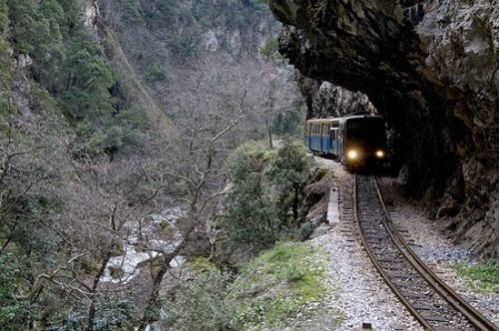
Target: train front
x=365 y=144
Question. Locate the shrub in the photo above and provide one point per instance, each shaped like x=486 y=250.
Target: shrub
x=113 y=314
x=250 y=216
x=12 y=310
x=155 y=73
x=202 y=304
x=267 y=194
x=290 y=171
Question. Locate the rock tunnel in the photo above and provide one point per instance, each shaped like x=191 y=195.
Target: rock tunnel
x=431 y=68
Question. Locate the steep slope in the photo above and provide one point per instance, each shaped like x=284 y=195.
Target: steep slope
x=112 y=114
x=431 y=69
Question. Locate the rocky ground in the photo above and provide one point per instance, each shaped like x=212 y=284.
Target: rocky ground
x=359 y=295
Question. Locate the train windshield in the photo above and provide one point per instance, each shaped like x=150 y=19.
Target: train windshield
x=368 y=130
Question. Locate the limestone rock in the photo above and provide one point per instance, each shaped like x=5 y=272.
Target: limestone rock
x=23 y=61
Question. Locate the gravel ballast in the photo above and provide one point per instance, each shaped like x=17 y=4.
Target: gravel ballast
x=436 y=250
x=363 y=297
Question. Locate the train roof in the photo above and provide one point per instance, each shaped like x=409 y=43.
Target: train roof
x=342 y=119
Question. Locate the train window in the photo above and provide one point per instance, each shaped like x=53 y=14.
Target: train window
x=334 y=133
x=370 y=129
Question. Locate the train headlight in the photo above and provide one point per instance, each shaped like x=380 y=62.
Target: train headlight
x=353 y=154
x=380 y=154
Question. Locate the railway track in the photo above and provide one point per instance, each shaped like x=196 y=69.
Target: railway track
x=429 y=299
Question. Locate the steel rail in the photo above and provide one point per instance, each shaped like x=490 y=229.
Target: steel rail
x=476 y=318
x=380 y=269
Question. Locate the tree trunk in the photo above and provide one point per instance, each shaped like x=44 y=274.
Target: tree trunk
x=151 y=311
x=152 y=307
x=93 y=301
x=295 y=204
x=269 y=132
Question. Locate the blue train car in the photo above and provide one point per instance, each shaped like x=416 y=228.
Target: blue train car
x=357 y=141
x=322 y=136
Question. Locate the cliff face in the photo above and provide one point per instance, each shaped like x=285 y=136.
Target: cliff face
x=325 y=99
x=432 y=70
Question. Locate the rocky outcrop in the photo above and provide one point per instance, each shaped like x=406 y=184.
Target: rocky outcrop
x=431 y=69
x=328 y=100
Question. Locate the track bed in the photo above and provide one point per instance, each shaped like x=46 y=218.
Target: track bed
x=430 y=300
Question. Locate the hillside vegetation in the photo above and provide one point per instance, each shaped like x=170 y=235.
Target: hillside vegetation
x=117 y=119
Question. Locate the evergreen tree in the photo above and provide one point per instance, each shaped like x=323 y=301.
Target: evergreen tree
x=290 y=172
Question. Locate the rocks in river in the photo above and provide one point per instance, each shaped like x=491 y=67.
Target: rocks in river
x=145 y=241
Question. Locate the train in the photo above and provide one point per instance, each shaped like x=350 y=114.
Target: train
x=357 y=141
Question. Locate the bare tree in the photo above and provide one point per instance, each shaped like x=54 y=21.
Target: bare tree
x=211 y=108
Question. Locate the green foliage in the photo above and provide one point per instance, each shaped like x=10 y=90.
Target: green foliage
x=132 y=11
x=273 y=287
x=4 y=16
x=276 y=285
x=201 y=264
x=5 y=58
x=125 y=129
x=5 y=73
x=88 y=80
x=113 y=314
x=291 y=167
x=484 y=278
x=185 y=44
x=35 y=29
x=12 y=310
x=290 y=171
x=156 y=73
x=288 y=123
x=267 y=193
x=271 y=48
x=228 y=13
x=161 y=13
x=251 y=217
x=71 y=65
x=202 y=304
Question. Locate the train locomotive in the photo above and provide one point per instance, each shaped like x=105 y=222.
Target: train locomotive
x=358 y=141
